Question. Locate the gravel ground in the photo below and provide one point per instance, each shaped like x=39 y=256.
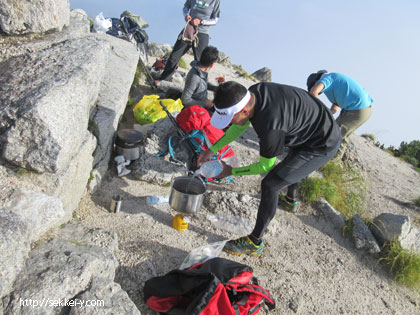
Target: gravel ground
x=308 y=265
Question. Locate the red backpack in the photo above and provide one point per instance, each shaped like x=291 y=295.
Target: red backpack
x=217 y=286
x=196 y=121
x=198 y=134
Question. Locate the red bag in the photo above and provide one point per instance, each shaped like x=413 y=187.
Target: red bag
x=195 y=118
x=217 y=286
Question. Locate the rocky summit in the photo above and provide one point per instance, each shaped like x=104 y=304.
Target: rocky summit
x=64 y=93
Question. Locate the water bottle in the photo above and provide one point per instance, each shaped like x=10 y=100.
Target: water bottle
x=231 y=161
x=157 y=200
x=210 y=169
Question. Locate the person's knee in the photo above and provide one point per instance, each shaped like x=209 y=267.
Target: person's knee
x=272 y=183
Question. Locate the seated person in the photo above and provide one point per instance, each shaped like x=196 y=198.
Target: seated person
x=196 y=85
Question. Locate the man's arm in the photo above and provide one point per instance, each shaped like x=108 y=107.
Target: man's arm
x=317 y=89
x=211 y=87
x=262 y=166
x=191 y=84
x=214 y=17
x=231 y=134
x=269 y=148
x=210 y=22
x=186 y=10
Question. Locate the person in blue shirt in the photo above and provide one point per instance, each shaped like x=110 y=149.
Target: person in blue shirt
x=344 y=93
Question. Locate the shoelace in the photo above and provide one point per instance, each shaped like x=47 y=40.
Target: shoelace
x=242 y=242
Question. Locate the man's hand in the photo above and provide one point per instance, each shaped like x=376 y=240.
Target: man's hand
x=204 y=156
x=209 y=103
x=227 y=170
x=187 y=18
x=334 y=108
x=196 y=21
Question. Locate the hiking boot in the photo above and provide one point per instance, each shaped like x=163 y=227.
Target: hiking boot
x=243 y=245
x=287 y=205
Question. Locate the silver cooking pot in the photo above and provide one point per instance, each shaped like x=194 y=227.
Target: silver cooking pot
x=187 y=193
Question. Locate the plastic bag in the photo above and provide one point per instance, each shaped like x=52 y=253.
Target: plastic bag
x=101 y=24
x=149 y=110
x=203 y=254
x=233 y=224
x=121 y=165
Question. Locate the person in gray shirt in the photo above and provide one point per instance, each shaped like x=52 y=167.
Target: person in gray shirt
x=201 y=14
x=196 y=83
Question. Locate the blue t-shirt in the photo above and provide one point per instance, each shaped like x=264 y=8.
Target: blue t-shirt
x=345 y=91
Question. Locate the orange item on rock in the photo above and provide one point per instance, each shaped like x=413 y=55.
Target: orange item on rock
x=220 y=79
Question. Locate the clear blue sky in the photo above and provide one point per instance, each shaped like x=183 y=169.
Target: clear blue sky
x=377 y=42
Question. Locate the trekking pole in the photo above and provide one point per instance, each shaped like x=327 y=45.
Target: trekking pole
x=148 y=74
x=182 y=134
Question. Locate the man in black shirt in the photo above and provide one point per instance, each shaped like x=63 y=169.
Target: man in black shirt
x=282 y=116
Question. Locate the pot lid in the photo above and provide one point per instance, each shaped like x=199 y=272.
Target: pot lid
x=130 y=136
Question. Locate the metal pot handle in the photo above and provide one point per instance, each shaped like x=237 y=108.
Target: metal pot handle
x=191 y=173
x=202 y=180
x=172 y=181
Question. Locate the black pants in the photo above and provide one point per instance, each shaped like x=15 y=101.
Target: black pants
x=179 y=50
x=296 y=166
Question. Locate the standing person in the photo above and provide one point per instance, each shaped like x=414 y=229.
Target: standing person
x=200 y=15
x=196 y=83
x=282 y=116
x=346 y=94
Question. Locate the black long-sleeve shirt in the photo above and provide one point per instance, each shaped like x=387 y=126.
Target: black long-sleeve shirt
x=287 y=116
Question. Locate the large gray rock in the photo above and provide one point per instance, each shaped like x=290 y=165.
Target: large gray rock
x=112 y=100
x=388 y=227
x=79 y=24
x=12 y=46
x=224 y=59
x=23 y=17
x=363 y=238
x=59 y=270
x=70 y=184
x=352 y=154
x=263 y=74
x=331 y=214
x=39 y=211
x=165 y=86
x=116 y=300
x=158 y=50
x=47 y=99
x=14 y=248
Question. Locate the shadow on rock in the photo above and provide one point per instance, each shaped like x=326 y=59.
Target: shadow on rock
x=404 y=204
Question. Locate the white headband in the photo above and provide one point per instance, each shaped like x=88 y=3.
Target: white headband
x=223 y=116
x=234 y=109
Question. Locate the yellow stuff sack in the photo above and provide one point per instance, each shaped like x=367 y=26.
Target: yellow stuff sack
x=148 y=110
